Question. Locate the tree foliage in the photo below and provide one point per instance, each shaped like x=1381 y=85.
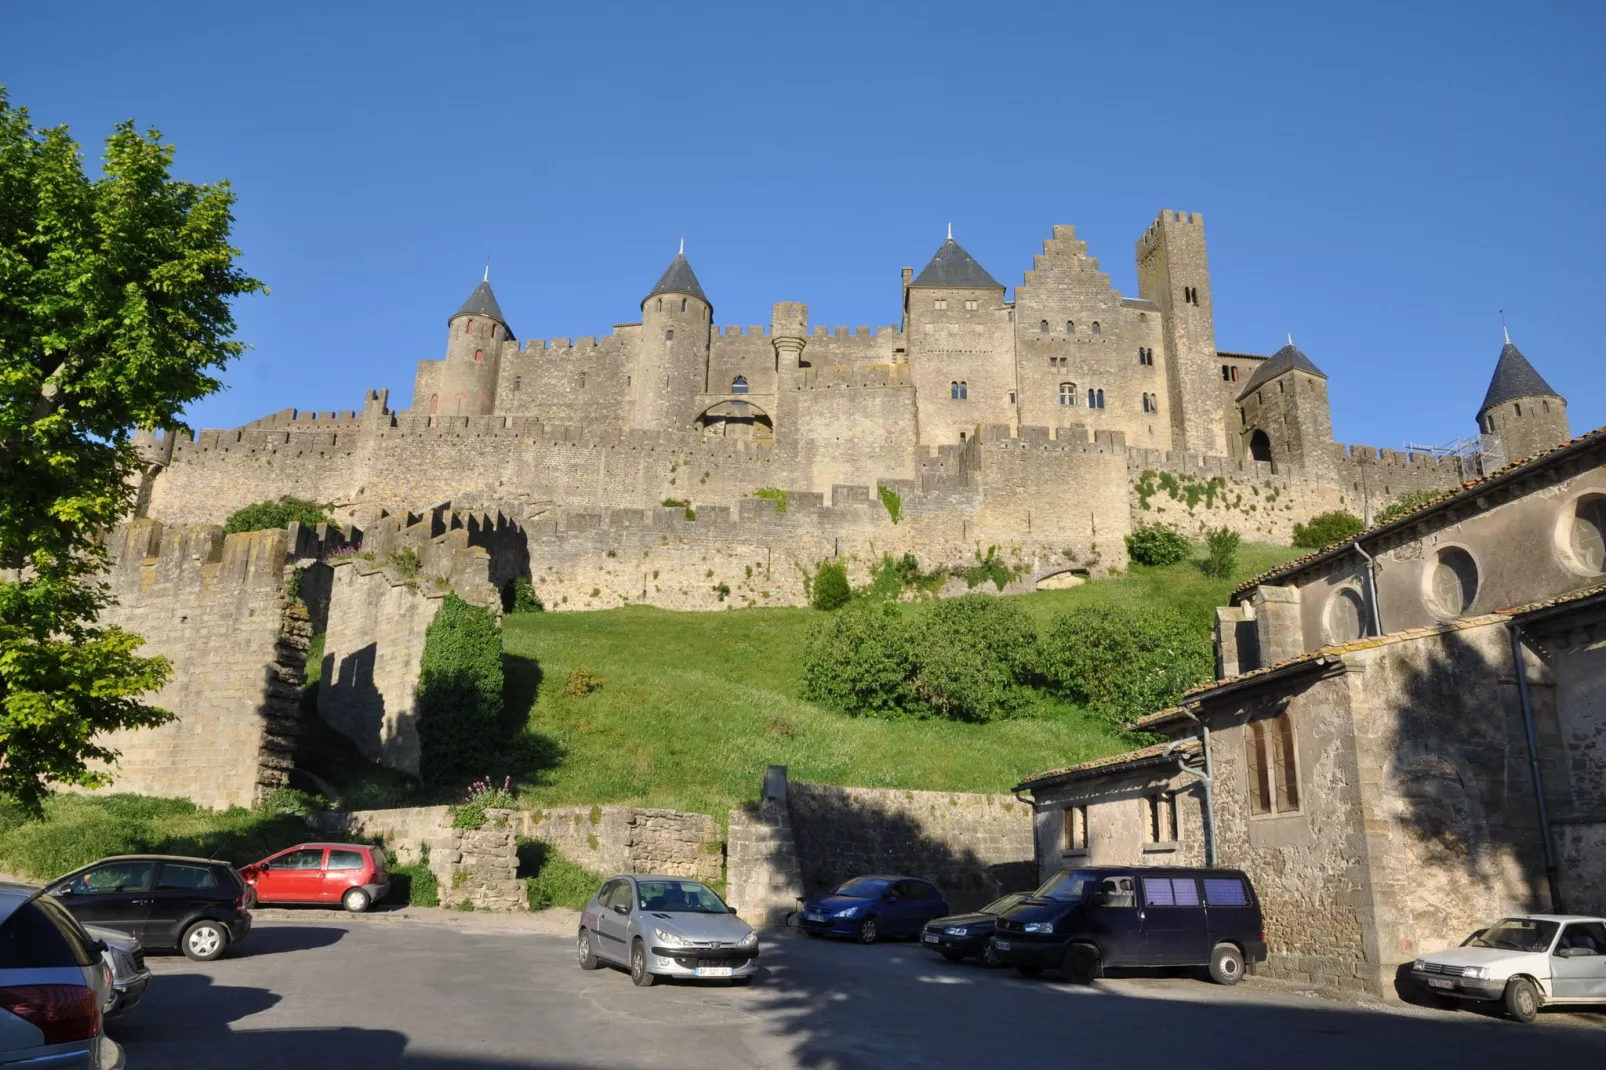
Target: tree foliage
x=1326 y=529
x=1156 y=544
x=459 y=693
x=830 y=588
x=1124 y=661
x=278 y=513
x=114 y=314
x=1221 y=546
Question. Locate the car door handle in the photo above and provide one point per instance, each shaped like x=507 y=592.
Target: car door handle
x=141 y=902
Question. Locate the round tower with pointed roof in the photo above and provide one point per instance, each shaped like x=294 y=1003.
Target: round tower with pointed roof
x=672 y=360
x=1521 y=415
x=475 y=335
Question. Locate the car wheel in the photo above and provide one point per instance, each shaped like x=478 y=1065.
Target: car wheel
x=990 y=957
x=869 y=931
x=1226 y=965
x=639 y=974
x=585 y=952
x=1522 y=999
x=356 y=900
x=204 y=941
x=1029 y=971
x=1081 y=964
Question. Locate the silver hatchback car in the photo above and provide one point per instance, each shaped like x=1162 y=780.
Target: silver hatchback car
x=666 y=927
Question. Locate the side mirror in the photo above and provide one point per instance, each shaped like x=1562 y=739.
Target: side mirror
x=99 y=946
x=730 y=908
x=65 y=889
x=620 y=908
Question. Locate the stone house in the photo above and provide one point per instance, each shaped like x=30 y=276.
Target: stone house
x=1407 y=738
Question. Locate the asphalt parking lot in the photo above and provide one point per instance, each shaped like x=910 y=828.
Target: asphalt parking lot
x=473 y=992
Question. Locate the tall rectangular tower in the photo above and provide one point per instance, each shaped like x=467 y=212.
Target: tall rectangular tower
x=1174 y=273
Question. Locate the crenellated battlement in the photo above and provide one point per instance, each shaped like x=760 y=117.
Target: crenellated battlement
x=1058 y=439
x=1168 y=218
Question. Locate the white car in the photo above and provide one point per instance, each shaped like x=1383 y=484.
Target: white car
x=1526 y=962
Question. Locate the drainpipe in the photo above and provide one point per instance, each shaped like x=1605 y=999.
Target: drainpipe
x=1533 y=765
x=1208 y=779
x=1371 y=588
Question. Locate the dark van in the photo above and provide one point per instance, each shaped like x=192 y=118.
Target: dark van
x=1083 y=920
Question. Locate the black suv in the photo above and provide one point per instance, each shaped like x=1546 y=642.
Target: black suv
x=1082 y=920
x=194 y=904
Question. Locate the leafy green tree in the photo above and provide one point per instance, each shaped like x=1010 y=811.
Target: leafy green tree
x=1221 y=544
x=830 y=588
x=278 y=513
x=1156 y=544
x=1409 y=502
x=114 y=314
x=860 y=661
x=1326 y=529
x=459 y=694
x=1124 y=661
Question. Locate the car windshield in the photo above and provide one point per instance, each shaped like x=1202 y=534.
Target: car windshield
x=1517 y=934
x=861 y=887
x=998 y=906
x=1066 y=886
x=678 y=897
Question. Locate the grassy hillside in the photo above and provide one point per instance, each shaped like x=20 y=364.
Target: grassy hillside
x=694 y=705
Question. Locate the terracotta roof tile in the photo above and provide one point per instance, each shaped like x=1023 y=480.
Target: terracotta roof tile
x=1187 y=748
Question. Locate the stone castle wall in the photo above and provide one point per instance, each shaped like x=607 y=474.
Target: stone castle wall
x=609 y=840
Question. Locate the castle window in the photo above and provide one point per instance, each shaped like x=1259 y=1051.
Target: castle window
x=1453 y=583
x=1226 y=374
x=1012 y=397
x=669 y=335
x=739 y=385
x=479 y=355
x=1067 y=393
x=1243 y=418
x=468 y=327
x=1518 y=407
x=1073 y=828
x=494 y=329
x=1160 y=817
x=1587 y=537
x=971 y=306
x=582 y=380
x=940 y=304
x=1043 y=326
x=434 y=404
x=1101 y=399
x=964 y=390
x=953 y=390
x=1546 y=404
x=517 y=382
x=958 y=391
x=1149 y=404
x=1273 y=769
x=1143 y=317
x=1070 y=326
x=1096 y=328
x=1260 y=446
x=1092 y=398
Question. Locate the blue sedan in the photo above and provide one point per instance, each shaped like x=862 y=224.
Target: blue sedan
x=868 y=908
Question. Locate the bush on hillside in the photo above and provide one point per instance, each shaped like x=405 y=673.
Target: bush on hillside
x=1156 y=544
x=895 y=575
x=1221 y=545
x=518 y=596
x=830 y=589
x=552 y=880
x=459 y=693
x=859 y=662
x=293 y=801
x=1409 y=502
x=1124 y=662
x=275 y=514
x=1326 y=529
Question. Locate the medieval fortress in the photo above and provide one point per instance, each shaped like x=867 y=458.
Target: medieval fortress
x=1036 y=431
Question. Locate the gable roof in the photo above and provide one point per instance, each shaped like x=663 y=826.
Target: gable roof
x=482 y=302
x=679 y=278
x=951 y=268
x=1163 y=753
x=1286 y=359
x=1514 y=378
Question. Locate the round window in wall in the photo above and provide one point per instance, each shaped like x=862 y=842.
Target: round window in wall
x=1453 y=583
x=1587 y=534
x=1346 y=616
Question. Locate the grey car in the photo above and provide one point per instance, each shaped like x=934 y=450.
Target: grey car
x=53 y=985
x=126 y=959
x=666 y=927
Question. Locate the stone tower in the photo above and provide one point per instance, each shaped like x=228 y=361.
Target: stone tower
x=672 y=365
x=1521 y=415
x=961 y=347
x=1283 y=415
x=1174 y=273
x=475 y=336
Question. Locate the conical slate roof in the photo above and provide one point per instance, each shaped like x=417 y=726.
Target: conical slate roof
x=954 y=269
x=1514 y=378
x=482 y=302
x=679 y=278
x=1286 y=359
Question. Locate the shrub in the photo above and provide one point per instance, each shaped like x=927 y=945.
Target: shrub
x=1327 y=529
x=860 y=662
x=989 y=568
x=580 y=682
x=830 y=590
x=292 y=801
x=892 y=501
x=469 y=815
x=404 y=561
x=1409 y=502
x=277 y=513
x=487 y=794
x=775 y=494
x=1156 y=544
x=1122 y=661
x=414 y=885
x=552 y=880
x=459 y=692
x=518 y=596
x=894 y=575
x=682 y=504
x=1222 y=545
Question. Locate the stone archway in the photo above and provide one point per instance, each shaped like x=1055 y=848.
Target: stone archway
x=736 y=419
x=1260 y=446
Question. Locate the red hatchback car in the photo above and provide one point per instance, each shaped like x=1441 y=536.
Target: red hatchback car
x=350 y=874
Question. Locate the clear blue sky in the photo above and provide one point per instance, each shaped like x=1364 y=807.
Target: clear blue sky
x=1378 y=179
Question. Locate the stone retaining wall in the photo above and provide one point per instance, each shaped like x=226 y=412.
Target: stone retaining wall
x=628 y=839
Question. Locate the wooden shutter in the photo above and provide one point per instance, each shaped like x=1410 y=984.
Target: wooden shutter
x=1259 y=770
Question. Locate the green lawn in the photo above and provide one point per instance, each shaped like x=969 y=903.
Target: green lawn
x=694 y=705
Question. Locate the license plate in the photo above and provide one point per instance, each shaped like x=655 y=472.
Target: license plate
x=931 y=938
x=713 y=971
x=1002 y=945
x=814 y=917
x=1436 y=983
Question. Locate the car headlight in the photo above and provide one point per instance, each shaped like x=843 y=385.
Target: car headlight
x=848 y=912
x=1475 y=973
x=750 y=940
x=1039 y=927
x=957 y=930
x=669 y=939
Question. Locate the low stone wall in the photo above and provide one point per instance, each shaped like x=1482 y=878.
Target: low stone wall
x=975 y=847
x=629 y=839
x=477 y=865
x=765 y=881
